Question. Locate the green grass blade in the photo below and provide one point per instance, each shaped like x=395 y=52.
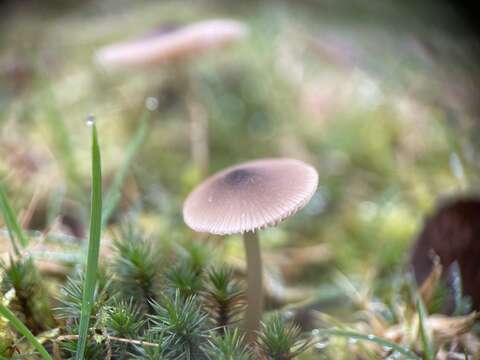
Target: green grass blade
x=14 y=229
x=93 y=246
x=113 y=195
x=426 y=342
x=371 y=338
x=22 y=329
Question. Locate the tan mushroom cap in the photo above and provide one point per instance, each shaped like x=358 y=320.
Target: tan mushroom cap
x=173 y=45
x=250 y=196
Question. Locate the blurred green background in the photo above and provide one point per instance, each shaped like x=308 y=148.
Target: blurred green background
x=380 y=97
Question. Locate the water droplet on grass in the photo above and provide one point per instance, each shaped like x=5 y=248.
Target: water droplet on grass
x=321 y=345
x=90 y=120
x=151 y=103
x=287 y=315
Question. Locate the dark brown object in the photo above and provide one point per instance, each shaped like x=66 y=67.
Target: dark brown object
x=452 y=233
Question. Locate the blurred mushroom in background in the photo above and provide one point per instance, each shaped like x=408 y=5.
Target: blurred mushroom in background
x=172 y=44
x=175 y=46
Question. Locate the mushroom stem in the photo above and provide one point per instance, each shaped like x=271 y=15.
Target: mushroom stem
x=198 y=121
x=198 y=135
x=254 y=284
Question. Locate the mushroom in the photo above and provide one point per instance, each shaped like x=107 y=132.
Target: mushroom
x=174 y=46
x=179 y=43
x=244 y=198
x=452 y=234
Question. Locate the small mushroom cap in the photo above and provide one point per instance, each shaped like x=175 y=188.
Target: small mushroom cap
x=250 y=196
x=173 y=45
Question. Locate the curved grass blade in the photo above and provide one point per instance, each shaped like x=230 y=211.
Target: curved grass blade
x=426 y=342
x=113 y=194
x=93 y=246
x=371 y=338
x=14 y=229
x=22 y=329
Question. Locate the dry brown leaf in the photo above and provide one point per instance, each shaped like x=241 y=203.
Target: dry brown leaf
x=430 y=284
x=445 y=328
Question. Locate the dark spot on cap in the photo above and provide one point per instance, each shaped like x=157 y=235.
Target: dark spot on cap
x=163 y=29
x=238 y=177
x=250 y=196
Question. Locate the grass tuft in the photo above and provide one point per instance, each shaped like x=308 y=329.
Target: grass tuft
x=279 y=339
